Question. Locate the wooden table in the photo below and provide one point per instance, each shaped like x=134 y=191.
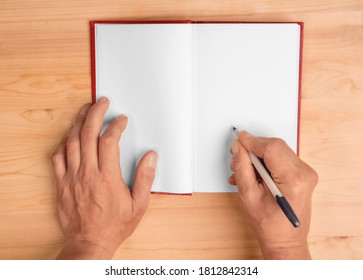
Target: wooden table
x=45 y=78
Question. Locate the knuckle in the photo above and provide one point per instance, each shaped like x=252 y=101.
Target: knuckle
x=87 y=177
x=87 y=133
x=299 y=177
x=63 y=194
x=149 y=173
x=302 y=182
x=107 y=179
x=56 y=156
x=236 y=165
x=314 y=177
x=305 y=175
x=296 y=178
x=107 y=140
x=72 y=142
x=275 y=144
x=297 y=191
x=93 y=109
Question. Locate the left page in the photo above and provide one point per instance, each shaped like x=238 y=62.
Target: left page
x=145 y=71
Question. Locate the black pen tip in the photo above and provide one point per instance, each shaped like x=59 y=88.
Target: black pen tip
x=234 y=128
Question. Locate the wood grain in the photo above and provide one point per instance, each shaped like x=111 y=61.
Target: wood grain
x=45 y=79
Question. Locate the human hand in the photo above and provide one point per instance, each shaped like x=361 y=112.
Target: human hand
x=96 y=209
x=296 y=180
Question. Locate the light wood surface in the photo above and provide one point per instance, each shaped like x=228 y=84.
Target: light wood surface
x=45 y=79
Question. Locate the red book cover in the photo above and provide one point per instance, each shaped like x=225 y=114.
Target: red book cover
x=93 y=58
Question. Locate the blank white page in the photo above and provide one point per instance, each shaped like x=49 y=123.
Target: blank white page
x=145 y=70
x=245 y=75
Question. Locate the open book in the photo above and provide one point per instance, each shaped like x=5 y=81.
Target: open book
x=183 y=85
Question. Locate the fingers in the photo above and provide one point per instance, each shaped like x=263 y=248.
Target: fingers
x=91 y=131
x=252 y=143
x=244 y=174
x=274 y=151
x=59 y=159
x=73 y=141
x=144 y=178
x=271 y=147
x=109 y=151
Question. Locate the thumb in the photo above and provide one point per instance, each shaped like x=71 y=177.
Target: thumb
x=144 y=178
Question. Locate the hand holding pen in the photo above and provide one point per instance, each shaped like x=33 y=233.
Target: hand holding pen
x=293 y=177
x=265 y=175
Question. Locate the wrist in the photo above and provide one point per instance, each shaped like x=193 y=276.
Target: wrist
x=294 y=251
x=85 y=250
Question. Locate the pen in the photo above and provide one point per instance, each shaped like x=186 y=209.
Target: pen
x=281 y=200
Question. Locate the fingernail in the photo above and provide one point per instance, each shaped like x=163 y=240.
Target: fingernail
x=122 y=116
x=235 y=147
x=152 y=159
x=102 y=99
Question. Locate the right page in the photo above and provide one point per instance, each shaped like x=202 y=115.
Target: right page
x=246 y=75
